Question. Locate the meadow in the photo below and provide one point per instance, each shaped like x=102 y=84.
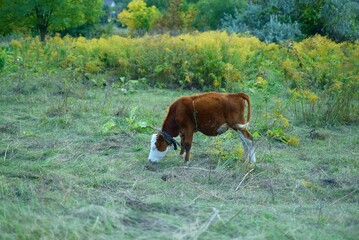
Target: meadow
x=74 y=143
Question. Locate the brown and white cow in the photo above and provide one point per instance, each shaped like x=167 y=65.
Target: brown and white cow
x=209 y=113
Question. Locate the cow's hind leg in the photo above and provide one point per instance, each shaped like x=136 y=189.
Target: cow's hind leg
x=248 y=147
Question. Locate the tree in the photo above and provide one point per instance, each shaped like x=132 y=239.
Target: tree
x=173 y=18
x=178 y=17
x=308 y=14
x=341 y=20
x=43 y=16
x=160 y=4
x=210 y=12
x=139 y=16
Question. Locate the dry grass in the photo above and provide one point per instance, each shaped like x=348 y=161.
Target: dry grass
x=62 y=177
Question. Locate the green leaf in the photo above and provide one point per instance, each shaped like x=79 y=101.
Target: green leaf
x=108 y=126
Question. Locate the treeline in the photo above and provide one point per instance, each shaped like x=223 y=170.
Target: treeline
x=268 y=20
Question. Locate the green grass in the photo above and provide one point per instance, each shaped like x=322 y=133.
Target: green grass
x=66 y=174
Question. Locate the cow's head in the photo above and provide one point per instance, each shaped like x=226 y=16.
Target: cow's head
x=160 y=144
x=159 y=148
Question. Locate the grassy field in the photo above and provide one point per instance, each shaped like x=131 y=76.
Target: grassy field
x=73 y=165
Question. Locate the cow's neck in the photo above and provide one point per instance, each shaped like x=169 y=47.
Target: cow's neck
x=170 y=128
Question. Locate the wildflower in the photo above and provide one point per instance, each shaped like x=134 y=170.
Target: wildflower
x=261 y=82
x=228 y=67
x=293 y=141
x=310 y=96
x=16 y=44
x=337 y=85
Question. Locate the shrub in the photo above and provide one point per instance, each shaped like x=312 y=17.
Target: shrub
x=263 y=22
x=323 y=77
x=276 y=31
x=2 y=59
x=341 y=20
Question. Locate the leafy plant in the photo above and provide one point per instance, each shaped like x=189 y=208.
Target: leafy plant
x=108 y=126
x=130 y=86
x=135 y=124
x=278 y=134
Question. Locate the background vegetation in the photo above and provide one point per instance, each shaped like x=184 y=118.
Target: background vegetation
x=268 y=20
x=317 y=76
x=75 y=111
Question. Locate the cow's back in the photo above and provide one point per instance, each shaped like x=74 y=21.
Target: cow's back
x=218 y=104
x=209 y=111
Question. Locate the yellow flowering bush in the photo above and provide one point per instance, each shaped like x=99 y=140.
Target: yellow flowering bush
x=321 y=75
x=15 y=44
x=228 y=155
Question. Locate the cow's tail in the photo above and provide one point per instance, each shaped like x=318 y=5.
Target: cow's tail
x=246 y=97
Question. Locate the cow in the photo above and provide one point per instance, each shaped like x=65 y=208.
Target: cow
x=210 y=113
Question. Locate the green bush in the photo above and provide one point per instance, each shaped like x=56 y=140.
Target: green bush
x=341 y=20
x=269 y=22
x=2 y=59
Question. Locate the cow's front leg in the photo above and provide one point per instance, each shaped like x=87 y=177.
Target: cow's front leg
x=182 y=143
x=188 y=136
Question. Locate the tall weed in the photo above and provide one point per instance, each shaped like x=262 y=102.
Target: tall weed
x=323 y=79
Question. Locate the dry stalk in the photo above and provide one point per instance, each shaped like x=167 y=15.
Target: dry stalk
x=197 y=168
x=212 y=194
x=336 y=201
x=244 y=178
x=204 y=191
x=5 y=155
x=207 y=224
x=195 y=199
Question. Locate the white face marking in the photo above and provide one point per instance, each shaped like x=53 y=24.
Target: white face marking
x=156 y=155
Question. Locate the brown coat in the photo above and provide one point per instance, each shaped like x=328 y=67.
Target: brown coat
x=210 y=113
